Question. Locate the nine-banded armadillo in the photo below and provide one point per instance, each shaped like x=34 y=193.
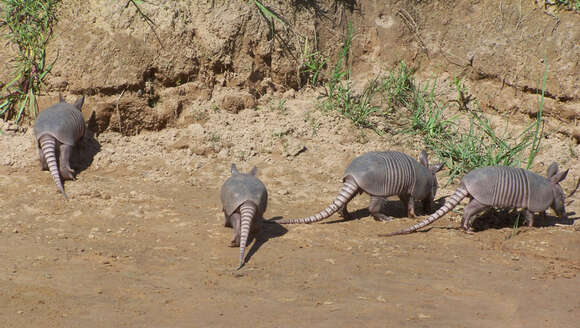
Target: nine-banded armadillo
x=503 y=187
x=244 y=200
x=58 y=130
x=383 y=174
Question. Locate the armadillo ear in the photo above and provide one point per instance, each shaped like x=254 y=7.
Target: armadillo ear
x=60 y=98
x=254 y=171
x=436 y=168
x=79 y=103
x=552 y=169
x=235 y=169
x=423 y=158
x=556 y=178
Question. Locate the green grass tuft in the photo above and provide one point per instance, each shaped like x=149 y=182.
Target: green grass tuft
x=29 y=28
x=467 y=140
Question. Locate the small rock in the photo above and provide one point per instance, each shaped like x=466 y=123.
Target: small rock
x=12 y=127
x=294 y=148
x=571 y=111
x=576 y=135
x=223 y=154
x=290 y=94
x=182 y=143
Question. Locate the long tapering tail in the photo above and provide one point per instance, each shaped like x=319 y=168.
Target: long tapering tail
x=48 y=146
x=346 y=193
x=450 y=203
x=248 y=211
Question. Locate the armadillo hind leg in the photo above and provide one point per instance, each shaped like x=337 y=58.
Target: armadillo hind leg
x=409 y=203
x=227 y=222
x=343 y=212
x=66 y=172
x=375 y=208
x=529 y=218
x=43 y=163
x=235 y=220
x=469 y=212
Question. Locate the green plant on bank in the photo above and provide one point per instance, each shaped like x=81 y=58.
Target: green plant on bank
x=312 y=64
x=397 y=86
x=339 y=95
x=463 y=147
x=463 y=98
x=314 y=124
x=277 y=105
x=215 y=108
x=567 y=4
x=268 y=14
x=29 y=28
x=427 y=116
x=342 y=67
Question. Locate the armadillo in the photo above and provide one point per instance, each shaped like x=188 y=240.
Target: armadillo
x=502 y=187
x=58 y=129
x=383 y=174
x=244 y=200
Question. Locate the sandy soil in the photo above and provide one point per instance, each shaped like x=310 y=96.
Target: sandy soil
x=141 y=243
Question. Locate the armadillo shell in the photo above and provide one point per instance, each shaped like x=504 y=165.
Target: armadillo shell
x=240 y=188
x=502 y=186
x=63 y=121
x=383 y=173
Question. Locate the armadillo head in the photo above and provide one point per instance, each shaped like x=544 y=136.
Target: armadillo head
x=555 y=177
x=433 y=169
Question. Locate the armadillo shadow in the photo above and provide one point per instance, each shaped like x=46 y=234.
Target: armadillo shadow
x=394 y=208
x=270 y=229
x=505 y=218
x=87 y=149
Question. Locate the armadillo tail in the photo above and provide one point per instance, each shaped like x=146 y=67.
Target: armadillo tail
x=248 y=211
x=346 y=193
x=48 y=146
x=450 y=203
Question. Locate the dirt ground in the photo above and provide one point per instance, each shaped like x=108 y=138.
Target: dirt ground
x=142 y=242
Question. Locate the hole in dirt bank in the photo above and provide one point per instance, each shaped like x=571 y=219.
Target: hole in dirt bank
x=149 y=74
x=219 y=68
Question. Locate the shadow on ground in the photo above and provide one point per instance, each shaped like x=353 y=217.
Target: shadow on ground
x=87 y=148
x=270 y=230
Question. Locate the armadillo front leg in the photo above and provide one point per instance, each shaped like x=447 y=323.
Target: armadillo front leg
x=529 y=218
x=469 y=212
x=65 y=170
x=409 y=203
x=375 y=208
